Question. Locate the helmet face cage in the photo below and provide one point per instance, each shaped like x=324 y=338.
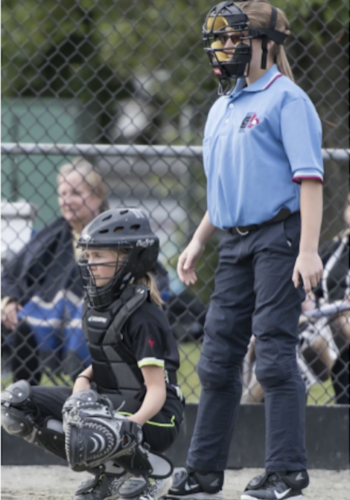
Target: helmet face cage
x=128 y=232
x=101 y=296
x=227 y=20
x=223 y=21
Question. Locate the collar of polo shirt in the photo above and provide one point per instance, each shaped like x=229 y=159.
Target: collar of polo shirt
x=261 y=84
x=265 y=81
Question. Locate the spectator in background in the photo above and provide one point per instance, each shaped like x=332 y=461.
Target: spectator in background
x=335 y=286
x=41 y=285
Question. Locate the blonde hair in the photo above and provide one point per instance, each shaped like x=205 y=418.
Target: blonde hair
x=92 y=178
x=150 y=282
x=259 y=13
x=147 y=280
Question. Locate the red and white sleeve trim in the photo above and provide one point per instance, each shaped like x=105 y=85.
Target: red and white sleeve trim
x=298 y=179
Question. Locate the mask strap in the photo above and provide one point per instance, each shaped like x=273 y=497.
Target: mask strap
x=273 y=19
x=264 y=52
x=264 y=41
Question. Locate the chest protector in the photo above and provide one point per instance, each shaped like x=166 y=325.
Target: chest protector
x=114 y=365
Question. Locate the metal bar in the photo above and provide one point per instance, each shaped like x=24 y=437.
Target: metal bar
x=11 y=148
x=99 y=150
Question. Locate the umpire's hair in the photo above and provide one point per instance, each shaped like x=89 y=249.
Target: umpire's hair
x=91 y=177
x=259 y=14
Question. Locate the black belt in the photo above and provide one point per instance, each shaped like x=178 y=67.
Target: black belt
x=172 y=377
x=283 y=214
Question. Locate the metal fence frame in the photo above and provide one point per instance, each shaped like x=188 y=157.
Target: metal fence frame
x=11 y=148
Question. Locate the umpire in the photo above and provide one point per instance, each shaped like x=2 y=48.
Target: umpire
x=263 y=162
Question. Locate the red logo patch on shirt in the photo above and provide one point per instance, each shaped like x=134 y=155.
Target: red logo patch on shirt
x=253 y=121
x=249 y=121
x=151 y=342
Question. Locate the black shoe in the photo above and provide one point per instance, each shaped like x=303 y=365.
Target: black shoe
x=277 y=486
x=153 y=489
x=196 y=486
x=104 y=486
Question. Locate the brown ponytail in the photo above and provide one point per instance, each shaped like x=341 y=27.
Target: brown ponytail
x=259 y=13
x=282 y=61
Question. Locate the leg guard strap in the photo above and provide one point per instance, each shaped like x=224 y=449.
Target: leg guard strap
x=143 y=462
x=50 y=438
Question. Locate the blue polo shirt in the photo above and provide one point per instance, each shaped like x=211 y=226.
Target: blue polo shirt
x=259 y=143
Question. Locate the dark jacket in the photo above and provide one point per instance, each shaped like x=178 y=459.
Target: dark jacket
x=44 y=266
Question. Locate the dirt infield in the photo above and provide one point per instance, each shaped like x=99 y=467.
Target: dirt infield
x=59 y=483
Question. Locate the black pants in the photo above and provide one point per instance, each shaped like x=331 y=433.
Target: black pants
x=159 y=433
x=254 y=294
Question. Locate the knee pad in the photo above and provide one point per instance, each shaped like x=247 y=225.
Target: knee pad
x=144 y=462
x=18 y=414
x=17 y=410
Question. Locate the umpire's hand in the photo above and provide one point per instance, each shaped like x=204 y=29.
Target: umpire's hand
x=308 y=267
x=188 y=260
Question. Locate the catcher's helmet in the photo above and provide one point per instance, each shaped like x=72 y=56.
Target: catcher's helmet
x=126 y=230
x=227 y=19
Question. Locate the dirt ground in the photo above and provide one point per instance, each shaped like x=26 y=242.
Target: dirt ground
x=59 y=483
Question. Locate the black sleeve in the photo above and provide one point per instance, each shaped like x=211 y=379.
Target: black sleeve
x=148 y=344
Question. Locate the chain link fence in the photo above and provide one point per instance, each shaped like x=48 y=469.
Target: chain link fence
x=126 y=86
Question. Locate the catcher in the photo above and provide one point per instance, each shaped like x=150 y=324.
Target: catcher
x=126 y=408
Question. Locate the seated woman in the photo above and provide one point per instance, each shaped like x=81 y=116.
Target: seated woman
x=41 y=285
x=127 y=401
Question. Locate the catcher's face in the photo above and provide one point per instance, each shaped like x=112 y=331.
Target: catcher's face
x=103 y=265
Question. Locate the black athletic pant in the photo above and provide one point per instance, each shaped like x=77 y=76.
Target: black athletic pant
x=254 y=293
x=159 y=433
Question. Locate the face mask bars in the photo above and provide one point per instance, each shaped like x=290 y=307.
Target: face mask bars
x=238 y=66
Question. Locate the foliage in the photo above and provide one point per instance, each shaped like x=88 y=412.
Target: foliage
x=103 y=51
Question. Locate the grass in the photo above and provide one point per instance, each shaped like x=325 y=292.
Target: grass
x=319 y=394
x=48 y=380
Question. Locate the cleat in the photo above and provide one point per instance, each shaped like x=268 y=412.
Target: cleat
x=103 y=486
x=155 y=488
x=277 y=486
x=196 y=486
